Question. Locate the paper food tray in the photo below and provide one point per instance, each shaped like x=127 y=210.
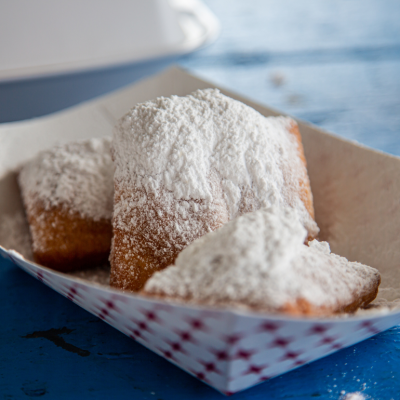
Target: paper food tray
x=356 y=194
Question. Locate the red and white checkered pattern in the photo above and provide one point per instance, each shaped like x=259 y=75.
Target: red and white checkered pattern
x=228 y=350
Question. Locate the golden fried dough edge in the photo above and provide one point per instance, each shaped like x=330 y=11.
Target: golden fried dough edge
x=64 y=240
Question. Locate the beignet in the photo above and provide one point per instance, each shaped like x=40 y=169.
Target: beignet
x=259 y=261
x=187 y=165
x=67 y=192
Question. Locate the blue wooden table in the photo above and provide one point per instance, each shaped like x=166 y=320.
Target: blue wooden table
x=333 y=63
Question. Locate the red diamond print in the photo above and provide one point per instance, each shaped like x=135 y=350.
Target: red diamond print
x=244 y=354
x=327 y=340
x=150 y=315
x=103 y=313
x=316 y=329
x=337 y=346
x=300 y=362
x=369 y=326
x=167 y=354
x=281 y=342
x=221 y=355
x=197 y=324
x=110 y=304
x=233 y=339
x=186 y=336
x=210 y=367
x=269 y=327
x=40 y=276
x=264 y=378
x=366 y=324
x=200 y=375
x=177 y=347
x=255 y=369
x=142 y=325
x=290 y=355
x=71 y=294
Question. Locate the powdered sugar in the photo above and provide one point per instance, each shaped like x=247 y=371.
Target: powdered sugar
x=175 y=143
x=259 y=260
x=150 y=230
x=354 y=396
x=77 y=176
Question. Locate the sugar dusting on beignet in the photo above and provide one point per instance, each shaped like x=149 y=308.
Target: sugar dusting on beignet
x=68 y=196
x=186 y=165
x=259 y=261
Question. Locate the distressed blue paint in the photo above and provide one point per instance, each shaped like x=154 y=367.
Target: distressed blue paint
x=338 y=65
x=119 y=368
x=338 y=62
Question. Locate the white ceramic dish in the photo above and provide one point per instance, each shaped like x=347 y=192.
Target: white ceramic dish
x=44 y=37
x=55 y=54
